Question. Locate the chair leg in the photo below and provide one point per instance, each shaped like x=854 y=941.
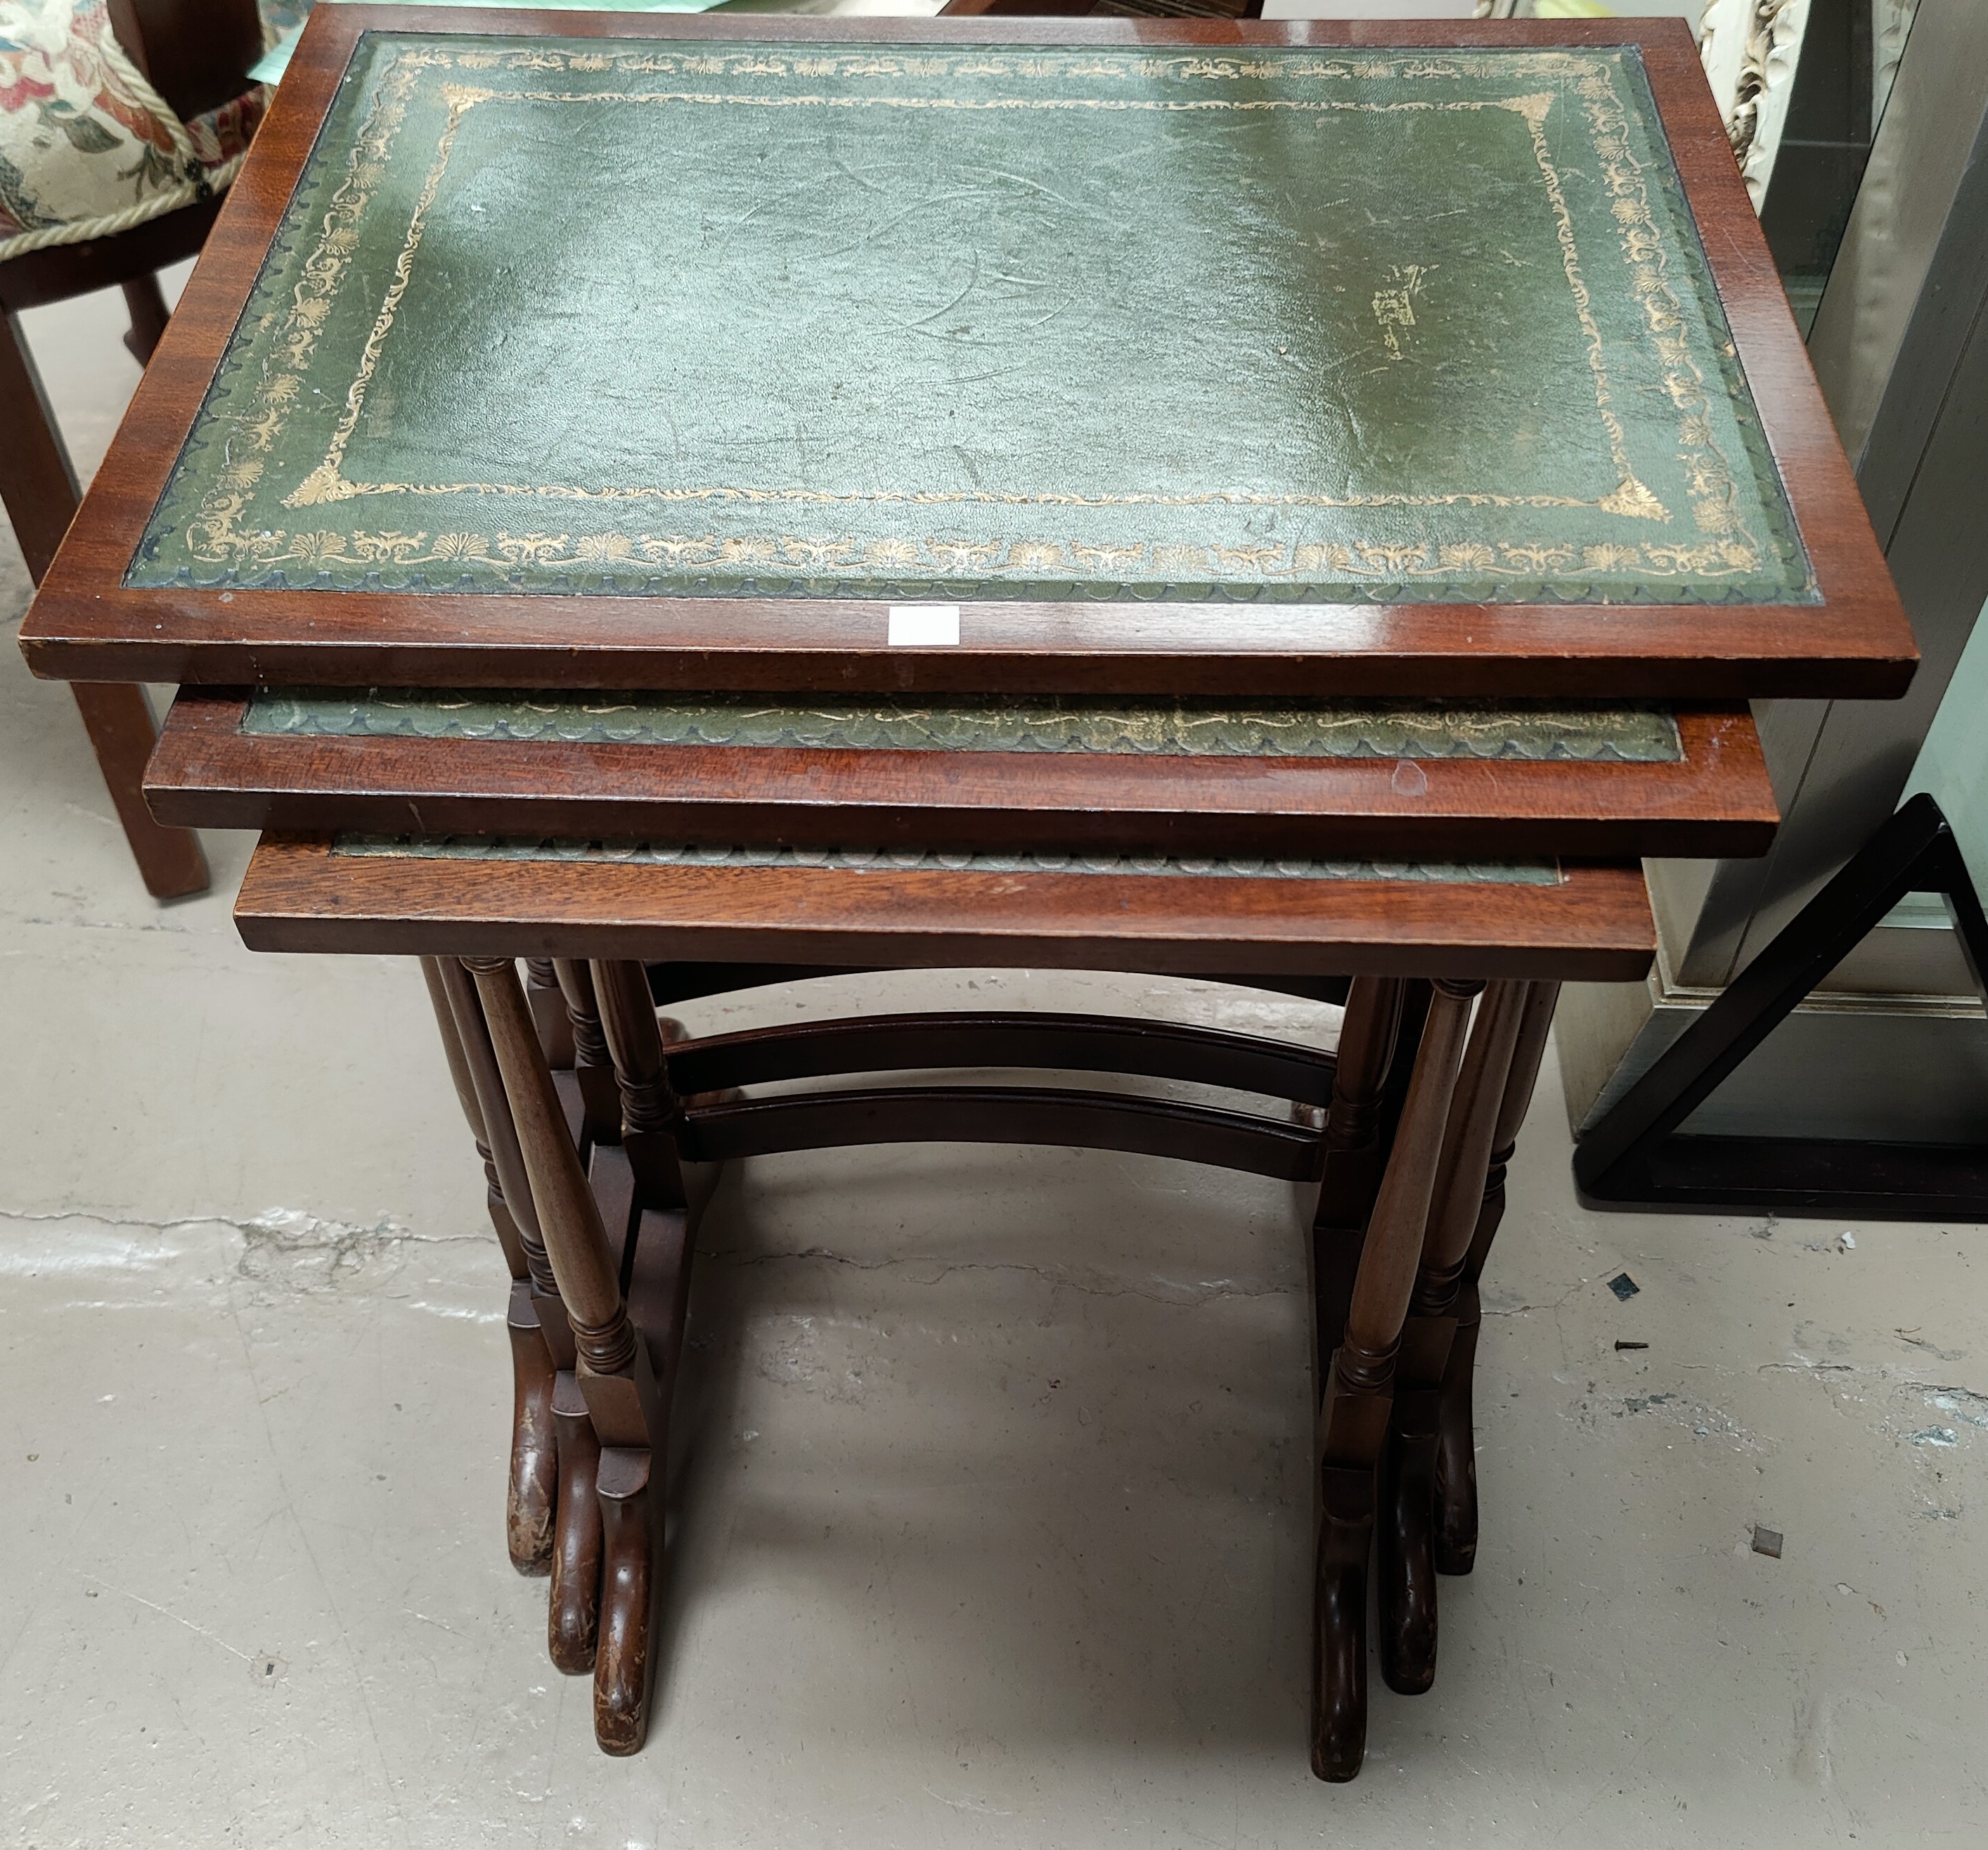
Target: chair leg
x=37 y=481
x=149 y=314
x=118 y=718
x=1359 y=1390
x=38 y=488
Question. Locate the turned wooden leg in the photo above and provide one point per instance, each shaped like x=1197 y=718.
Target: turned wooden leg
x=146 y=303
x=632 y=1481
x=1353 y=1415
x=548 y=1007
x=615 y=1371
x=1404 y=1564
x=1353 y=1154
x=573 y=1556
x=593 y=1071
x=632 y=1496
x=532 y=1493
x=38 y=488
x=1405 y=1556
x=1339 y=1626
x=649 y=1109
x=572 y=1613
x=531 y=1501
x=632 y=1522
x=1456 y=1452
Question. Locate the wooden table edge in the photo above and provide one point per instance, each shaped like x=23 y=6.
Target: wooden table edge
x=207 y=772
x=84 y=625
x=297 y=896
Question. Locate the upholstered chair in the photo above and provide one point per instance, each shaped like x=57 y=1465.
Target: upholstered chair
x=121 y=123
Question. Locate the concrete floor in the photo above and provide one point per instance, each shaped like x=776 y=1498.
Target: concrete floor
x=993 y=1514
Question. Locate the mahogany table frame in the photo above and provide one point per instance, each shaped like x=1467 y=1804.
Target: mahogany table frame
x=85 y=625
x=1593 y=926
x=589 y=1200
x=1715 y=800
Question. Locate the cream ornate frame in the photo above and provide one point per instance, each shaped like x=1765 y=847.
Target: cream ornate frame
x=1751 y=49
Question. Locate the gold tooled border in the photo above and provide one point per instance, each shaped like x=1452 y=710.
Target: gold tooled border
x=1726 y=546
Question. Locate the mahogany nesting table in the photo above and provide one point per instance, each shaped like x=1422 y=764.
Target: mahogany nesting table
x=692 y=504
x=585 y=1181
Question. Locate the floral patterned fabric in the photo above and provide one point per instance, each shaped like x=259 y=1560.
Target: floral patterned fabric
x=88 y=148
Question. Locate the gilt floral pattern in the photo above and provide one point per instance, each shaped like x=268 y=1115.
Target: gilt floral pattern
x=1609 y=449
x=87 y=148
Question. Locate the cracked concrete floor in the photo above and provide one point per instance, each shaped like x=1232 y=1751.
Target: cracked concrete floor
x=992 y=1516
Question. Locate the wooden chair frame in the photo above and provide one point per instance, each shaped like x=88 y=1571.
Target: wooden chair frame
x=196 y=54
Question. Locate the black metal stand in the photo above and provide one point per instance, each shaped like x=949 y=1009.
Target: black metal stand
x=1632 y=1159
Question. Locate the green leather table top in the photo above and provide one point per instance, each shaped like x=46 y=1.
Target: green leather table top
x=1181 y=729
x=707 y=318
x=664 y=854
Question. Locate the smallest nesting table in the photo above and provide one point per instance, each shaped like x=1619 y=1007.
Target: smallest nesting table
x=587 y=1187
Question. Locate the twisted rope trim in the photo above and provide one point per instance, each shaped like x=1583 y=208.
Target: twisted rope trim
x=202 y=182
x=212 y=181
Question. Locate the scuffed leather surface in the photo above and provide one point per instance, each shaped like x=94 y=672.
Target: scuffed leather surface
x=895 y=861
x=616 y=317
x=1182 y=729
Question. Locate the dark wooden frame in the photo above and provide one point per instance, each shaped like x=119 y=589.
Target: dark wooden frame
x=38 y=488
x=86 y=626
x=1636 y=1157
x=1717 y=800
x=194 y=64
x=1407 y=1129
x=297 y=895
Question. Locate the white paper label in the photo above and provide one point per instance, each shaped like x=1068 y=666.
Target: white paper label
x=924 y=626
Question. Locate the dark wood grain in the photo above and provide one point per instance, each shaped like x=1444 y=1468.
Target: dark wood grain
x=1717 y=800
x=1595 y=925
x=572 y=1606
x=569 y=1221
x=118 y=718
x=1355 y=1150
x=1069 y=1044
x=1088 y=1120
x=1856 y=642
x=1358 y=1396
x=1405 y=1571
x=196 y=53
x=1456 y=1454
x=593 y=1072
x=652 y=1113
x=533 y=1488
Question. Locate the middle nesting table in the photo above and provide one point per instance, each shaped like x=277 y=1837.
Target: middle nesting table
x=648 y=848
x=1414 y=781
